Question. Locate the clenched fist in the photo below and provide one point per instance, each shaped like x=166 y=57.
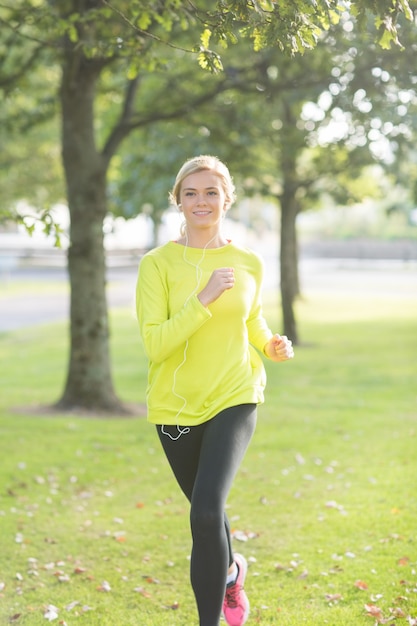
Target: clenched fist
x=220 y=281
x=279 y=348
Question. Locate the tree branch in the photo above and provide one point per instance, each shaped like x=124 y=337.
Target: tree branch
x=6 y=81
x=15 y=29
x=122 y=127
x=145 y=33
x=163 y=116
x=127 y=123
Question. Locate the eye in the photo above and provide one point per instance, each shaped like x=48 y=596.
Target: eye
x=189 y=193
x=212 y=193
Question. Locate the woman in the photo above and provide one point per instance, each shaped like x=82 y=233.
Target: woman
x=200 y=316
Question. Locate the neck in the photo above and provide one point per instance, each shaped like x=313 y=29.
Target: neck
x=203 y=240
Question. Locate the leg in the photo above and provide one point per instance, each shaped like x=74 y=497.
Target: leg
x=226 y=438
x=204 y=462
x=183 y=455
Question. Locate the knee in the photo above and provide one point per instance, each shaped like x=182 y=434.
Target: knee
x=205 y=521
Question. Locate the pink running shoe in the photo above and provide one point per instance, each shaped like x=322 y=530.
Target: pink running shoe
x=236 y=603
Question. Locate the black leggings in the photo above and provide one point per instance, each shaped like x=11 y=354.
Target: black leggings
x=205 y=461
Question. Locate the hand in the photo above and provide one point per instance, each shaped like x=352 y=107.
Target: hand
x=220 y=281
x=279 y=348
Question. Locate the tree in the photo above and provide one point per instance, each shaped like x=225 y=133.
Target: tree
x=369 y=92
x=338 y=86
x=95 y=47
x=283 y=113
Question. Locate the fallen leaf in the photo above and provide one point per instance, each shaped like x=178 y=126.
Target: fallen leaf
x=173 y=606
x=373 y=611
x=376 y=596
x=105 y=586
x=403 y=561
x=361 y=584
x=64 y=578
x=33 y=572
x=333 y=597
x=142 y=591
x=401 y=598
x=151 y=580
x=241 y=535
x=51 y=613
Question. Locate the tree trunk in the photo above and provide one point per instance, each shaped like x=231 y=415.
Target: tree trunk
x=89 y=381
x=289 y=264
x=289 y=210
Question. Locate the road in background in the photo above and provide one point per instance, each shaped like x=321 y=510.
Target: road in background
x=324 y=276
x=18 y=309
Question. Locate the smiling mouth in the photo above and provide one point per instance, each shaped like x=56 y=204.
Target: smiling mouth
x=202 y=212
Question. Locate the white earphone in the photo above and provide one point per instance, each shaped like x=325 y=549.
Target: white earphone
x=199 y=274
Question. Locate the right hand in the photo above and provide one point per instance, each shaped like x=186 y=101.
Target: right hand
x=220 y=281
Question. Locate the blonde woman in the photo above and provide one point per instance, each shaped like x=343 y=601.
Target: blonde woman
x=200 y=316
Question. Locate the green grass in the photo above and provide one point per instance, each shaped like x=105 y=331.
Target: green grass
x=10 y=288
x=325 y=497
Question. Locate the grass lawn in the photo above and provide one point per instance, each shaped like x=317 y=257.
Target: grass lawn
x=94 y=531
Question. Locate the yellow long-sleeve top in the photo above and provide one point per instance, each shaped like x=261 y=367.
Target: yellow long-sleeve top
x=201 y=359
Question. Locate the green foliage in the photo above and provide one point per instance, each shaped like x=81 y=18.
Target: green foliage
x=273 y=114
x=135 y=39
x=386 y=15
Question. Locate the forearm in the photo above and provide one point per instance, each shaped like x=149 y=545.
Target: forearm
x=162 y=338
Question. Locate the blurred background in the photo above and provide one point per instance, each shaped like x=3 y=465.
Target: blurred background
x=335 y=257
x=315 y=114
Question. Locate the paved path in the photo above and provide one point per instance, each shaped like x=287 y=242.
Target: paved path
x=20 y=310
x=338 y=277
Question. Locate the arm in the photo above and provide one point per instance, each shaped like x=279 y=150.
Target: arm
x=163 y=334
x=258 y=331
x=274 y=347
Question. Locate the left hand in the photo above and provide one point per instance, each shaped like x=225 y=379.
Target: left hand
x=279 y=348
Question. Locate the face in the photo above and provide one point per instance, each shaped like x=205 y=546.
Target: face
x=202 y=200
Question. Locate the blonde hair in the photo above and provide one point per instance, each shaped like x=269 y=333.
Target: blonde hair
x=199 y=164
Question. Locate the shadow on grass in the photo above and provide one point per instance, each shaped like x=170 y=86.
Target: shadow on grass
x=130 y=411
